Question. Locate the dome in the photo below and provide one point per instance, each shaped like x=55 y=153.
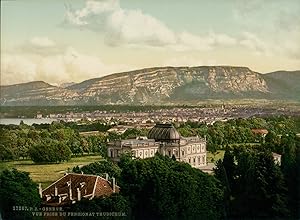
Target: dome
x=164 y=132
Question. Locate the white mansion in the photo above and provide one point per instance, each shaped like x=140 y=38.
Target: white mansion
x=166 y=140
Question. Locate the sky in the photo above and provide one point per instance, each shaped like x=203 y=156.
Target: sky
x=61 y=41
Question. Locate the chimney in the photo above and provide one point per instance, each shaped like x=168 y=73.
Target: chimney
x=40 y=190
x=114 y=184
x=70 y=192
x=106 y=176
x=55 y=191
x=78 y=194
x=48 y=197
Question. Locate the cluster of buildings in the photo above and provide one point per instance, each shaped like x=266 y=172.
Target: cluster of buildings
x=176 y=115
x=162 y=139
x=179 y=115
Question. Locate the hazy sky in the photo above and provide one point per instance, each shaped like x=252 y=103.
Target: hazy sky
x=63 y=41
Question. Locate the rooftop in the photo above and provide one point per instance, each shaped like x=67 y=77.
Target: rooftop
x=72 y=187
x=260 y=131
x=164 y=132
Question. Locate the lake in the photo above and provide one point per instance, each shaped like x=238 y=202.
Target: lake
x=28 y=121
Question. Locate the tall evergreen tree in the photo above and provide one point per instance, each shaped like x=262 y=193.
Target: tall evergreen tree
x=257 y=185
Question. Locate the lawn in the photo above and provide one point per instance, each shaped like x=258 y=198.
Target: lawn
x=212 y=158
x=48 y=173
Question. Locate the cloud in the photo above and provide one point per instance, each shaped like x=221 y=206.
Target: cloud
x=40 y=46
x=133 y=27
x=270 y=27
x=223 y=39
x=191 y=41
x=42 y=42
x=16 y=68
x=66 y=67
x=80 y=17
x=288 y=20
x=269 y=17
x=245 y=8
x=252 y=42
x=188 y=60
x=291 y=47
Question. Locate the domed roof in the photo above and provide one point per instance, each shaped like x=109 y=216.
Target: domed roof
x=164 y=132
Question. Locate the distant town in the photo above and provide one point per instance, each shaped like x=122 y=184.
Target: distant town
x=207 y=115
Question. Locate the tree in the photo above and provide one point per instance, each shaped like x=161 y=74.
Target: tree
x=100 y=168
x=50 y=151
x=171 y=190
x=6 y=153
x=260 y=190
x=75 y=146
x=230 y=168
x=290 y=166
x=133 y=133
x=113 y=203
x=221 y=175
x=17 y=189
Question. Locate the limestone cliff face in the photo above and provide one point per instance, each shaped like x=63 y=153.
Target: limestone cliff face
x=235 y=79
x=157 y=85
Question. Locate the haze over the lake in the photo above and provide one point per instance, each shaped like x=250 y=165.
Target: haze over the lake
x=70 y=41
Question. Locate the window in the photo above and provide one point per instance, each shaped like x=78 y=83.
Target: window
x=189 y=160
x=182 y=153
x=169 y=151
x=111 y=153
x=199 y=160
x=133 y=153
x=194 y=160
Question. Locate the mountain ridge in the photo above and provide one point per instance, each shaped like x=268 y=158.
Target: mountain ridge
x=159 y=85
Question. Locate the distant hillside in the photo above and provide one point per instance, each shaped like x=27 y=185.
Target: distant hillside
x=64 y=85
x=160 y=85
x=35 y=93
x=284 y=84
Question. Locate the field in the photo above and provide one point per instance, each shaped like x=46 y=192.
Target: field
x=48 y=173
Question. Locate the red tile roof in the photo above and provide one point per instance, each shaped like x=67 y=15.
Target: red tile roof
x=259 y=131
x=103 y=187
x=72 y=185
